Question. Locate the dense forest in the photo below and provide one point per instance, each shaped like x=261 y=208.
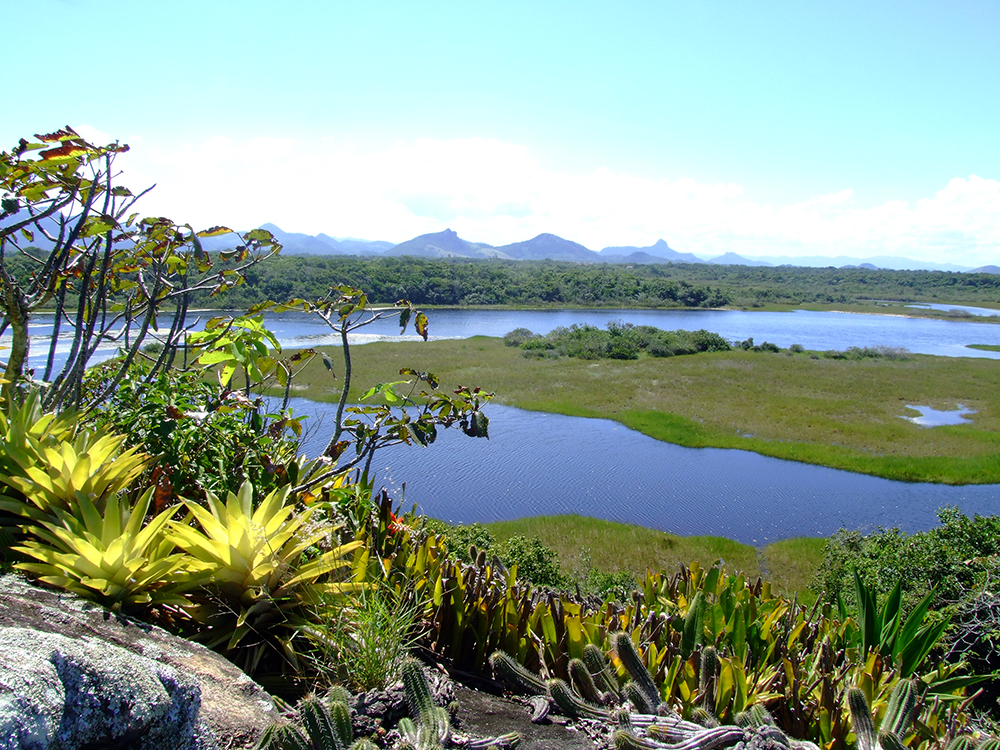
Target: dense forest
x=500 y=282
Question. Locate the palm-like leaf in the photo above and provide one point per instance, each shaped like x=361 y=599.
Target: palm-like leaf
x=111 y=558
x=255 y=559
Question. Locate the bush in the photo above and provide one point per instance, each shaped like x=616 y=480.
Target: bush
x=535 y=562
x=519 y=336
x=796 y=348
x=956 y=560
x=460 y=538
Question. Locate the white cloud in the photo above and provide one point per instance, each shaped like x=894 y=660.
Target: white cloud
x=497 y=192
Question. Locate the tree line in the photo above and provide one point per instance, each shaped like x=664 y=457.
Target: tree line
x=503 y=282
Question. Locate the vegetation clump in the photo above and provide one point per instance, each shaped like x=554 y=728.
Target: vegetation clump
x=618 y=341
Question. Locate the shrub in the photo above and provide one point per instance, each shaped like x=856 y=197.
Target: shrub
x=460 y=538
x=796 y=348
x=519 y=336
x=535 y=562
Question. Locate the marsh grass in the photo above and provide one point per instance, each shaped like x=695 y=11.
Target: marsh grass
x=839 y=413
x=581 y=542
x=791 y=565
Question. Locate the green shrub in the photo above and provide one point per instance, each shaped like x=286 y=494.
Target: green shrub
x=535 y=562
x=460 y=538
x=796 y=348
x=519 y=336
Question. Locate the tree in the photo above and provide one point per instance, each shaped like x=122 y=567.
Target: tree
x=70 y=242
x=404 y=416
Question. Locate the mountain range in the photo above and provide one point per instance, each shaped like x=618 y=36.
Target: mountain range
x=447 y=244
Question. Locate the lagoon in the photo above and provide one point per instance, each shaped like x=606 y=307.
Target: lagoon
x=820 y=331
x=543 y=464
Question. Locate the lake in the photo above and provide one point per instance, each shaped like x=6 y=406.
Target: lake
x=543 y=464
x=819 y=331
x=538 y=464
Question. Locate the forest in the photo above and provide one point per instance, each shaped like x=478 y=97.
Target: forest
x=555 y=283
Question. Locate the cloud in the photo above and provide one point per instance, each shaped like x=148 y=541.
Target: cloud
x=496 y=192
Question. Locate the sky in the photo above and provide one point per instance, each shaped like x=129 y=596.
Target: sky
x=779 y=129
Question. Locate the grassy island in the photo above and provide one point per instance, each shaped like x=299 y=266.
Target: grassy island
x=841 y=413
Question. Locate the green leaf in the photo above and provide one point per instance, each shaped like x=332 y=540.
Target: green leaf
x=421 y=325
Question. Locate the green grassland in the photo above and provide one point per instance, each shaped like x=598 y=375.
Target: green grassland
x=805 y=407
x=581 y=543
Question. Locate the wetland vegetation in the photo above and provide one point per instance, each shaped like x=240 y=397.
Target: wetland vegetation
x=832 y=409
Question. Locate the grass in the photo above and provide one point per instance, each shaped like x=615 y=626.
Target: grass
x=581 y=543
x=984 y=347
x=791 y=564
x=804 y=407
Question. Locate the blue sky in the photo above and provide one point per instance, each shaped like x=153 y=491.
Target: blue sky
x=778 y=128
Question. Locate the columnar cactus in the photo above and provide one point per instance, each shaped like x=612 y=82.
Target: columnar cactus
x=623 y=647
x=516 y=676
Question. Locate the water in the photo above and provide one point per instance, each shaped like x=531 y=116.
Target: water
x=820 y=331
x=538 y=464
x=987 y=312
x=543 y=464
x=938 y=418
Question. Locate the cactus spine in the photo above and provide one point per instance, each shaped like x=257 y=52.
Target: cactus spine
x=583 y=681
x=861 y=718
x=629 y=656
x=516 y=676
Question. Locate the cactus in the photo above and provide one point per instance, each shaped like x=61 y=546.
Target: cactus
x=901 y=709
x=417 y=736
x=638 y=698
x=989 y=744
x=339 y=694
x=283 y=737
x=583 y=681
x=571 y=704
x=705 y=718
x=861 y=718
x=709 y=677
x=507 y=741
x=889 y=741
x=416 y=689
x=755 y=716
x=962 y=742
x=626 y=652
x=625 y=740
x=319 y=725
x=363 y=744
x=516 y=676
x=604 y=678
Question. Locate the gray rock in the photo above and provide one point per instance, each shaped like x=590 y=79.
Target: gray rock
x=74 y=676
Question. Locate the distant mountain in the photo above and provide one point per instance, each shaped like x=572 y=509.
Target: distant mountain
x=892 y=262
x=446 y=244
x=295 y=243
x=865 y=266
x=986 y=269
x=549 y=247
x=732 y=259
x=659 y=252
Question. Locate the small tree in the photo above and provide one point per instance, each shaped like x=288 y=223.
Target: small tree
x=70 y=242
x=404 y=416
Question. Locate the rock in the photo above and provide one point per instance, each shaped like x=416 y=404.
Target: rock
x=75 y=676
